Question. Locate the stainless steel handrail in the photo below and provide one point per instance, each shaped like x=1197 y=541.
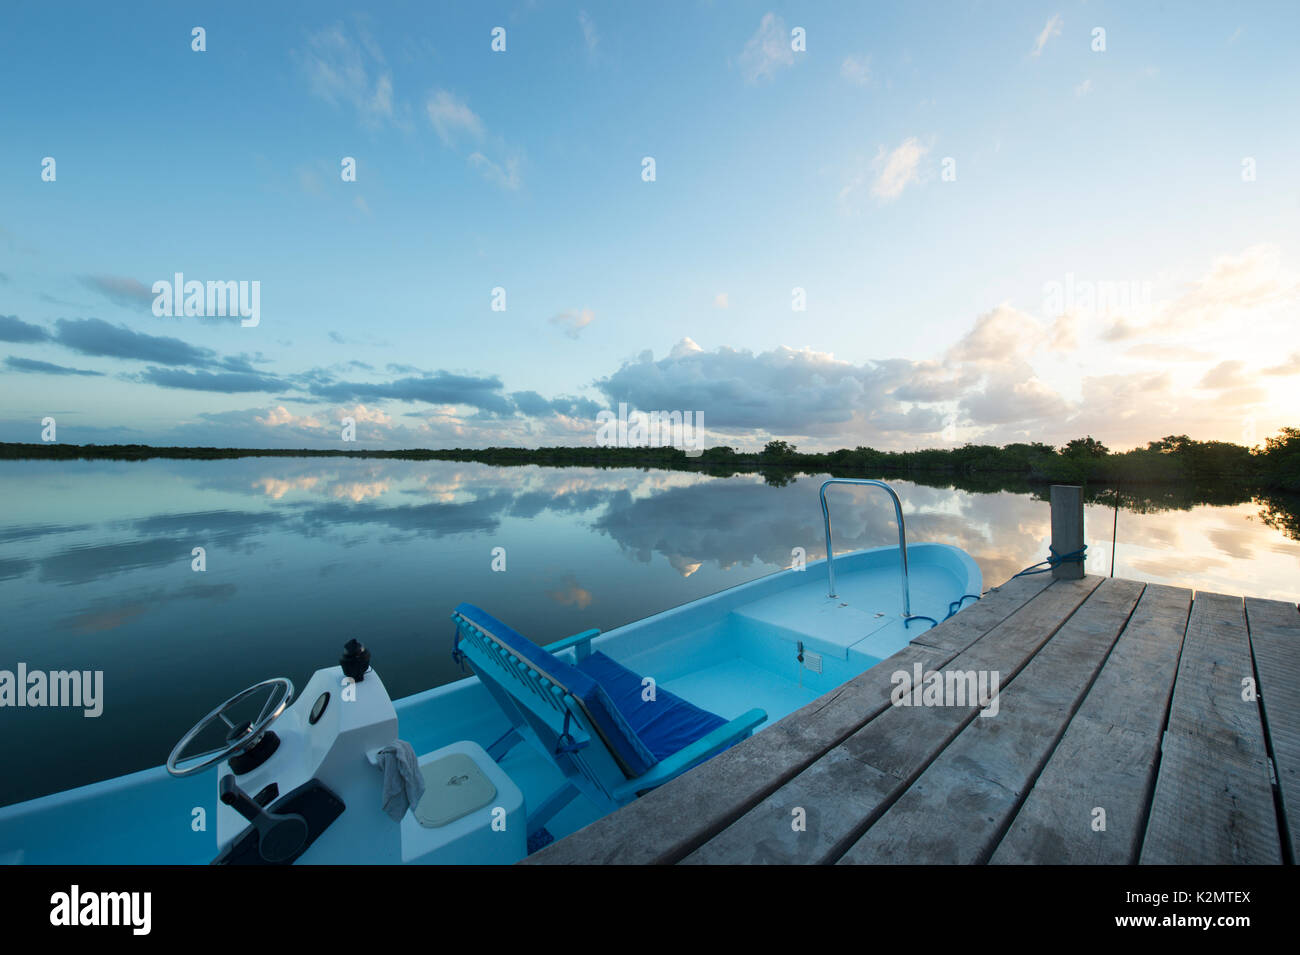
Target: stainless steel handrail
x=902 y=536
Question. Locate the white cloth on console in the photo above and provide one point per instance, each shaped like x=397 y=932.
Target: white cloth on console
x=403 y=781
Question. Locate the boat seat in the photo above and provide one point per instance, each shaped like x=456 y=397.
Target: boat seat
x=588 y=717
x=665 y=724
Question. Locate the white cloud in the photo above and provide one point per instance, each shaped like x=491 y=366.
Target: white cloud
x=1291 y=366
x=280 y=417
x=1053 y=28
x=451 y=117
x=1008 y=334
x=767 y=51
x=589 y=34
x=381 y=103
x=898 y=169
x=1165 y=352
x=1064 y=333
x=360 y=413
x=1226 y=374
x=454 y=121
x=506 y=176
x=1013 y=394
x=1001 y=334
x=682 y=349
x=784 y=391
x=573 y=322
x=1253 y=278
x=341 y=70
x=928 y=382
x=856 y=70
x=277 y=488
x=720 y=300
x=1251 y=281
x=358 y=491
x=1128 y=410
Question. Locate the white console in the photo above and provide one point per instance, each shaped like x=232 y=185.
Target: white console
x=473 y=812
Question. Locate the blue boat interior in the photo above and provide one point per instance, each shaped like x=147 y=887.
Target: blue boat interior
x=774 y=644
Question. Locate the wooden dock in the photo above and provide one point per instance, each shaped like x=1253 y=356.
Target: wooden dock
x=1136 y=723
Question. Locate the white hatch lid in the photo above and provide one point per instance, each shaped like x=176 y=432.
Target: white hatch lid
x=454 y=787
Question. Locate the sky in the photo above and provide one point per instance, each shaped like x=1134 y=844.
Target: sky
x=897 y=225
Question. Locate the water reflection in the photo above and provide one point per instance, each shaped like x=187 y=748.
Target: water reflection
x=302 y=554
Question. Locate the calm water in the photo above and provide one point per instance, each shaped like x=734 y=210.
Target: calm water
x=95 y=571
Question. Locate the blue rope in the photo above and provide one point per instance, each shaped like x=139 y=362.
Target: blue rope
x=953 y=607
x=457 y=654
x=956 y=604
x=1053 y=559
x=572 y=746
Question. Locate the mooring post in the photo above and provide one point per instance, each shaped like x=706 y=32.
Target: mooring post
x=1067 y=529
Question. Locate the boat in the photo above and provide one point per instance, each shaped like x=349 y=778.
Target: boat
x=532 y=745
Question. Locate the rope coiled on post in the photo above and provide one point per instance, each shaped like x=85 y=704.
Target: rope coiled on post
x=1052 y=560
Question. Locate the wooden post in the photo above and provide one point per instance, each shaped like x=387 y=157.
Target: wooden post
x=1067 y=529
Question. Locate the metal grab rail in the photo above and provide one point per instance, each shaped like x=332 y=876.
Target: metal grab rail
x=902 y=536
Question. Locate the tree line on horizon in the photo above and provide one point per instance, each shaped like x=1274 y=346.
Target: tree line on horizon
x=1172 y=459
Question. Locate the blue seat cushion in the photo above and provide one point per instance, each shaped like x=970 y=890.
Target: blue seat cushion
x=626 y=745
x=665 y=724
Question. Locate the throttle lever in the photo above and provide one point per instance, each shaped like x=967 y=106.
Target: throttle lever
x=280 y=836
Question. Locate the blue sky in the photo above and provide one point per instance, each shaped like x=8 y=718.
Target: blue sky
x=930 y=316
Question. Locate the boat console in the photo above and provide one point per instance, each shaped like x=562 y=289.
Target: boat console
x=304 y=780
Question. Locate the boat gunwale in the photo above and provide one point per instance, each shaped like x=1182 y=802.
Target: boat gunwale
x=767 y=585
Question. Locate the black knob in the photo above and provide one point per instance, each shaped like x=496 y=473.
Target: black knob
x=355 y=660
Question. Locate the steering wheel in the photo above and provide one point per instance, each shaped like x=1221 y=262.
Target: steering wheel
x=241 y=736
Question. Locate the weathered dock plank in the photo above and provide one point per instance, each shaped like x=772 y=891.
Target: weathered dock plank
x=665 y=825
x=1213 y=801
x=1114 y=695
x=976 y=784
x=1275 y=641
x=1107 y=758
x=850 y=787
